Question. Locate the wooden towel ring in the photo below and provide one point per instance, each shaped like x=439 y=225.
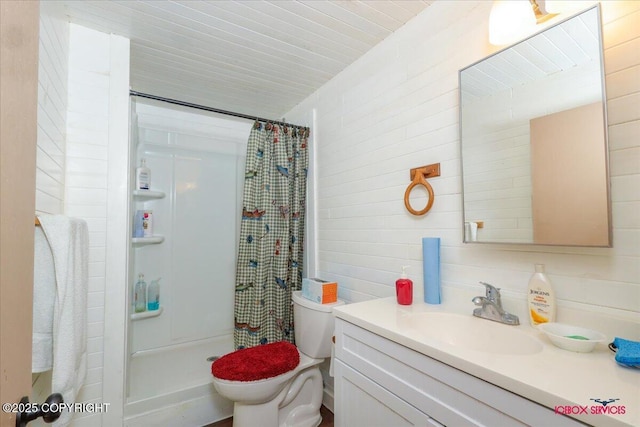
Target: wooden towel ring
x=418 y=176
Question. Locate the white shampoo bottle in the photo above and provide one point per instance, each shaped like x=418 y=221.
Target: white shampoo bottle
x=143 y=176
x=541 y=298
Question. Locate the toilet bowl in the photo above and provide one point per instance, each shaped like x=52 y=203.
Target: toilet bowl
x=287 y=391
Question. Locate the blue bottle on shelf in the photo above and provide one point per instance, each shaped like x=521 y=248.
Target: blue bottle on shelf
x=153 y=295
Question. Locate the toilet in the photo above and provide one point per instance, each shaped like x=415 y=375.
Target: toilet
x=277 y=384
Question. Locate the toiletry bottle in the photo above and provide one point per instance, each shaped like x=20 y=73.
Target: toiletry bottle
x=138 y=218
x=473 y=227
x=153 y=295
x=147 y=223
x=140 y=294
x=404 y=288
x=541 y=298
x=143 y=176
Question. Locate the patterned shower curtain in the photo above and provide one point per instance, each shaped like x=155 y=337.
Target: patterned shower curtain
x=271 y=235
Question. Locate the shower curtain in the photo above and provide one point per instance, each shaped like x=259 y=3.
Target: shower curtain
x=270 y=251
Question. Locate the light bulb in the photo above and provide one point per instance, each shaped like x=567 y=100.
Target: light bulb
x=510 y=20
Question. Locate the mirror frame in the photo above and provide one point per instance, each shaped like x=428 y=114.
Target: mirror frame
x=605 y=134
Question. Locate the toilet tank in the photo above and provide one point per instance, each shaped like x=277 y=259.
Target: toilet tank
x=313 y=325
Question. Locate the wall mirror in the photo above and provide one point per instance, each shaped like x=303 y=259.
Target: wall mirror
x=534 y=140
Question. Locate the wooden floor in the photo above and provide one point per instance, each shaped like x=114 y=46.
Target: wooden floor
x=327 y=420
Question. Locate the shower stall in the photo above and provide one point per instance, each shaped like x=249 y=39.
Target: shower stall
x=197 y=161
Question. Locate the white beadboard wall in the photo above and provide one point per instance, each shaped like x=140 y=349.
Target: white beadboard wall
x=86 y=173
x=88 y=127
x=72 y=138
x=52 y=129
x=52 y=108
x=397 y=108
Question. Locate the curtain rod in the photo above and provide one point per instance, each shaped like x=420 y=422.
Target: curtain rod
x=205 y=108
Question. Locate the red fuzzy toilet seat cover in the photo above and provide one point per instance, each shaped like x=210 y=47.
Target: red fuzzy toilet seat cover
x=257 y=363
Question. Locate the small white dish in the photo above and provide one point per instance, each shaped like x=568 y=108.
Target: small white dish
x=572 y=338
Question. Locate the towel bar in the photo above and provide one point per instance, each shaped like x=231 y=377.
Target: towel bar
x=417 y=176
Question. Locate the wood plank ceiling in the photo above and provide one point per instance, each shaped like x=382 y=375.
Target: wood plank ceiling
x=253 y=57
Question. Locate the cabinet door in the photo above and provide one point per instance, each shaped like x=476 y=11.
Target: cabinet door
x=385 y=379
x=362 y=403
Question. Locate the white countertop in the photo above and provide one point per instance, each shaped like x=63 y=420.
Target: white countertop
x=552 y=377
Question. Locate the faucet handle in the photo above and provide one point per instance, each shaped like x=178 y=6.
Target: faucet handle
x=493 y=293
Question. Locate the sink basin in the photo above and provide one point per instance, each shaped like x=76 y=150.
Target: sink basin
x=472 y=333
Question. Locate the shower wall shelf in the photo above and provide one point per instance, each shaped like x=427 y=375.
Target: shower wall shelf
x=148 y=194
x=147 y=314
x=153 y=240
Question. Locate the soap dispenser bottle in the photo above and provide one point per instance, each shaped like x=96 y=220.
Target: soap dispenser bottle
x=143 y=176
x=153 y=295
x=140 y=294
x=404 y=288
x=541 y=298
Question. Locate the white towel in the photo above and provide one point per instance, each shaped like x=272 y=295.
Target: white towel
x=69 y=242
x=44 y=296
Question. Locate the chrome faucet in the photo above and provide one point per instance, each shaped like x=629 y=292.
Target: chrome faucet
x=490 y=307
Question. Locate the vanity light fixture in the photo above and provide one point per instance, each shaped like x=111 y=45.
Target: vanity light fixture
x=511 y=20
x=566 y=6
x=542 y=15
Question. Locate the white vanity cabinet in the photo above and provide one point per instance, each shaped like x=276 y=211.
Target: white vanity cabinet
x=381 y=383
